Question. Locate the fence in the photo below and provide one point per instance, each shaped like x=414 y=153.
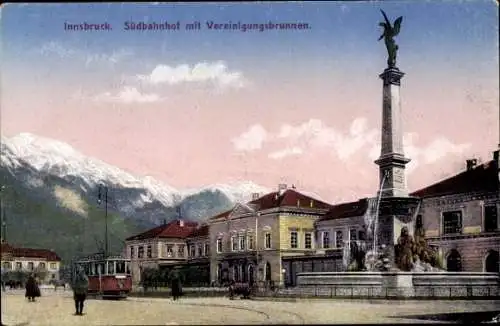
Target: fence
x=377 y=292
x=341 y=292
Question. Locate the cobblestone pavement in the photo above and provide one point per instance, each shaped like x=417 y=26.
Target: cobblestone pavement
x=57 y=308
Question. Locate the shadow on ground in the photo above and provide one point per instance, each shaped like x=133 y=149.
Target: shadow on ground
x=457 y=317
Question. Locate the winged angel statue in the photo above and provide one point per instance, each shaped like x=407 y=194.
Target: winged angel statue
x=390 y=31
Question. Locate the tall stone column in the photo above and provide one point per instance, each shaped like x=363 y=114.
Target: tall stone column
x=392 y=160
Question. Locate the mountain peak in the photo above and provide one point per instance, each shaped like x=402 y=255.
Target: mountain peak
x=28 y=157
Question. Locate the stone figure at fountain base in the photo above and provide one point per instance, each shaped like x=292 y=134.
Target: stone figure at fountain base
x=413 y=253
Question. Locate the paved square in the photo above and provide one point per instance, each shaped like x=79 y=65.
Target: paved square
x=57 y=309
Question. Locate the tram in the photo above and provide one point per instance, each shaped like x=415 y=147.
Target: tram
x=109 y=277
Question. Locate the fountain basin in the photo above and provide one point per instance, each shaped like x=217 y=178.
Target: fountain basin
x=401 y=284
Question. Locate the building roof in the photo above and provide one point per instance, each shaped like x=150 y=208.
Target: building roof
x=222 y=215
x=344 y=210
x=30 y=252
x=482 y=178
x=201 y=231
x=178 y=229
x=289 y=198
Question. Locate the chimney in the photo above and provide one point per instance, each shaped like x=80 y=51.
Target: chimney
x=164 y=222
x=471 y=164
x=282 y=188
x=181 y=223
x=255 y=196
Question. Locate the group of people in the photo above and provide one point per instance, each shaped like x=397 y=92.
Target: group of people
x=80 y=285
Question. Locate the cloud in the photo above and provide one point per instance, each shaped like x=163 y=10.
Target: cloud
x=434 y=151
x=129 y=95
x=62 y=51
x=285 y=153
x=71 y=200
x=314 y=133
x=250 y=140
x=216 y=72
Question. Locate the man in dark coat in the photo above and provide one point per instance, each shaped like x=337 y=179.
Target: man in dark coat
x=32 y=289
x=175 y=284
x=80 y=286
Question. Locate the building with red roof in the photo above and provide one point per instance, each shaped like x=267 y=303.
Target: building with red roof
x=30 y=260
x=251 y=241
x=178 y=242
x=460 y=216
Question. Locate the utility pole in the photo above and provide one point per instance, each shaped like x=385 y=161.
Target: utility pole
x=103 y=196
x=2 y=216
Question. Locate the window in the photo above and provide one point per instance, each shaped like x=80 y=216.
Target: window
x=111 y=267
x=170 y=251
x=308 y=240
x=454 y=261
x=192 y=250
x=339 y=239
x=242 y=242
x=207 y=249
x=19 y=266
x=219 y=245
x=150 y=251
x=132 y=252
x=42 y=266
x=200 y=250
x=250 y=242
x=490 y=218
x=140 y=252
x=361 y=235
x=352 y=235
x=234 y=243
x=180 y=250
x=120 y=267
x=7 y=265
x=31 y=266
x=53 y=266
x=268 y=240
x=452 y=222
x=420 y=222
x=326 y=240
x=293 y=239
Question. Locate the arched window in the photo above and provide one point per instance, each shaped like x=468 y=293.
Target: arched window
x=454 y=261
x=491 y=262
x=419 y=223
x=268 y=272
x=251 y=277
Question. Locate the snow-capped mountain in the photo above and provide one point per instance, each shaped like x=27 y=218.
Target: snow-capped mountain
x=49 y=168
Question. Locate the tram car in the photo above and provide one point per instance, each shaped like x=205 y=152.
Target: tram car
x=108 y=277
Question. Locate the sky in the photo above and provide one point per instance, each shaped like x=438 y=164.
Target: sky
x=296 y=106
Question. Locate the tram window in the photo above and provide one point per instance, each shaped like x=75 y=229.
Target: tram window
x=127 y=266
x=100 y=268
x=111 y=267
x=93 y=269
x=120 y=267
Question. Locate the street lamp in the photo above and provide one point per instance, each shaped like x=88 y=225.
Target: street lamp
x=103 y=196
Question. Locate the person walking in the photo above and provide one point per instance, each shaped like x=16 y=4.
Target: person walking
x=32 y=289
x=80 y=288
x=175 y=284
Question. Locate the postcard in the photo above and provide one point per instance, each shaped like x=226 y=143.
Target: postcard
x=169 y=163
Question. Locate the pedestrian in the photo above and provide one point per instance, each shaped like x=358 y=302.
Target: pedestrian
x=80 y=286
x=32 y=289
x=175 y=284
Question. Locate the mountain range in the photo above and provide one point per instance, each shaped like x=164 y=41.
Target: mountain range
x=50 y=198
